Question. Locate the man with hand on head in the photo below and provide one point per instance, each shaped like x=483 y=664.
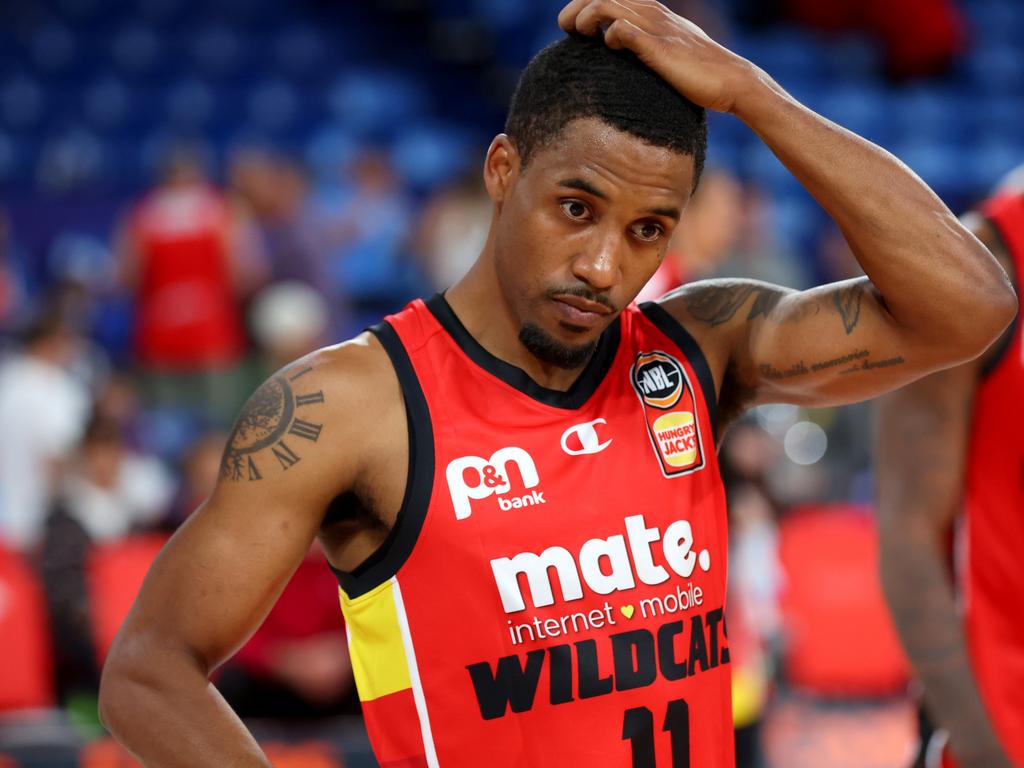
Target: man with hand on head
x=951 y=449
x=516 y=481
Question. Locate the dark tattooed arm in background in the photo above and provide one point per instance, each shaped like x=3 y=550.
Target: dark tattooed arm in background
x=921 y=448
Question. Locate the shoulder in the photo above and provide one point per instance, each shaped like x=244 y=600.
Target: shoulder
x=316 y=418
x=717 y=312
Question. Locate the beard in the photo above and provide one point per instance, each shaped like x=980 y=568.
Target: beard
x=549 y=350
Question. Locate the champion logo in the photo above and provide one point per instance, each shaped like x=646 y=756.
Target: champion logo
x=581 y=439
x=472 y=478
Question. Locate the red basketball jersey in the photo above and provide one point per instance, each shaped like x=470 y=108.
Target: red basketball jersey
x=553 y=591
x=993 y=577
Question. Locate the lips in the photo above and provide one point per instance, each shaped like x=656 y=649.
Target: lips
x=582 y=305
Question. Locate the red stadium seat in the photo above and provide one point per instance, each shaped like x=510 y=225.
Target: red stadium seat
x=115 y=573
x=26 y=663
x=841 y=640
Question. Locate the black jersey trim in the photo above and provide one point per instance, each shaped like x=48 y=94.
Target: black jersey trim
x=396 y=548
x=571 y=399
x=672 y=328
x=1004 y=342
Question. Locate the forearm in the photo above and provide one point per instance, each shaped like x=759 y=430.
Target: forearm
x=917 y=586
x=931 y=272
x=168 y=714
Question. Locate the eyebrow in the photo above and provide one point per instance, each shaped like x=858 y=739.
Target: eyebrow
x=590 y=189
x=583 y=186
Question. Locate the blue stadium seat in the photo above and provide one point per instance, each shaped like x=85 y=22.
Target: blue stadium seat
x=329 y=150
x=273 y=105
x=428 y=155
x=53 y=49
x=136 y=50
x=22 y=103
x=376 y=102
x=190 y=104
x=107 y=104
x=929 y=112
x=864 y=109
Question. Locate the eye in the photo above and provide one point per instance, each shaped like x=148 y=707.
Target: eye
x=574 y=209
x=648 y=231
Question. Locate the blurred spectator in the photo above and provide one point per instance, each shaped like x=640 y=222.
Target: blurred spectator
x=109 y=489
x=43 y=410
x=364 y=235
x=939 y=28
x=179 y=253
x=199 y=471
x=453 y=229
x=271 y=192
x=748 y=455
x=297 y=664
x=710 y=227
x=12 y=281
x=289 y=320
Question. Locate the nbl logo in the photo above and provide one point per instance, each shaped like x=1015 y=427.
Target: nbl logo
x=658 y=379
x=670 y=411
x=472 y=478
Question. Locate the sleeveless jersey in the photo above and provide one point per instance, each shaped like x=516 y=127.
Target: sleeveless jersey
x=552 y=593
x=993 y=579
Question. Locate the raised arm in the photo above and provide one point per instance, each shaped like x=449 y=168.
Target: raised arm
x=933 y=296
x=298 y=443
x=921 y=448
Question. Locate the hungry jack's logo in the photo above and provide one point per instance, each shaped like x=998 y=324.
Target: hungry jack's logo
x=667 y=399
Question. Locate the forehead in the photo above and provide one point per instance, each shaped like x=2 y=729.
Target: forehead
x=591 y=149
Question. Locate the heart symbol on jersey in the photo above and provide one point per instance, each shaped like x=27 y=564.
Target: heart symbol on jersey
x=628 y=611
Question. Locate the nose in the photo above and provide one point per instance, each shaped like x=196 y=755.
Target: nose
x=599 y=264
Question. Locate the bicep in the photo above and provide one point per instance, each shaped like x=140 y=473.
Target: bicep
x=220 y=574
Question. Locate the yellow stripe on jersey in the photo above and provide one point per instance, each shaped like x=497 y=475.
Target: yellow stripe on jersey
x=375 y=644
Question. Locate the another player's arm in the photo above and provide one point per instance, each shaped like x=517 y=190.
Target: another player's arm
x=297 y=444
x=921 y=452
x=933 y=296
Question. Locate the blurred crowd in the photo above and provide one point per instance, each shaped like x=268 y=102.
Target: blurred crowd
x=124 y=358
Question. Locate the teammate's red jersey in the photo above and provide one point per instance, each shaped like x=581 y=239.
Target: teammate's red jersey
x=553 y=591
x=994 y=572
x=188 y=316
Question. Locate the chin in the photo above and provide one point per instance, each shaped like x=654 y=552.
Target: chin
x=567 y=349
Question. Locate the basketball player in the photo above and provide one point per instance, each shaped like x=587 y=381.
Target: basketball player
x=516 y=481
x=947 y=444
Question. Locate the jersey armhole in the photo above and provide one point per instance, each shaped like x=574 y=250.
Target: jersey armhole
x=389 y=557
x=679 y=336
x=1004 y=342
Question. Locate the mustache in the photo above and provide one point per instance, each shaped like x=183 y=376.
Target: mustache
x=584 y=293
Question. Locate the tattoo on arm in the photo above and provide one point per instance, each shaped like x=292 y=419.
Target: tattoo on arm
x=848 y=305
x=269 y=428
x=719 y=303
x=859 y=357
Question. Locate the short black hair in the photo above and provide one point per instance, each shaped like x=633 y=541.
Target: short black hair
x=579 y=77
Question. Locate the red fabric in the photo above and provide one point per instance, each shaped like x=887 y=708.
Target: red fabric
x=395 y=744
x=993 y=577
x=307 y=607
x=115 y=573
x=919 y=36
x=188 y=316
x=530 y=479
x=26 y=669
x=841 y=637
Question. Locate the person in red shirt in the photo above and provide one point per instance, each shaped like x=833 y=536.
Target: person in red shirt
x=179 y=254
x=950 y=449
x=516 y=481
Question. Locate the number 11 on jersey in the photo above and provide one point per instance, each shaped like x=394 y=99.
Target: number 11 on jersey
x=638 y=729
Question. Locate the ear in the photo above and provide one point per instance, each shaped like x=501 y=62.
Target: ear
x=501 y=168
